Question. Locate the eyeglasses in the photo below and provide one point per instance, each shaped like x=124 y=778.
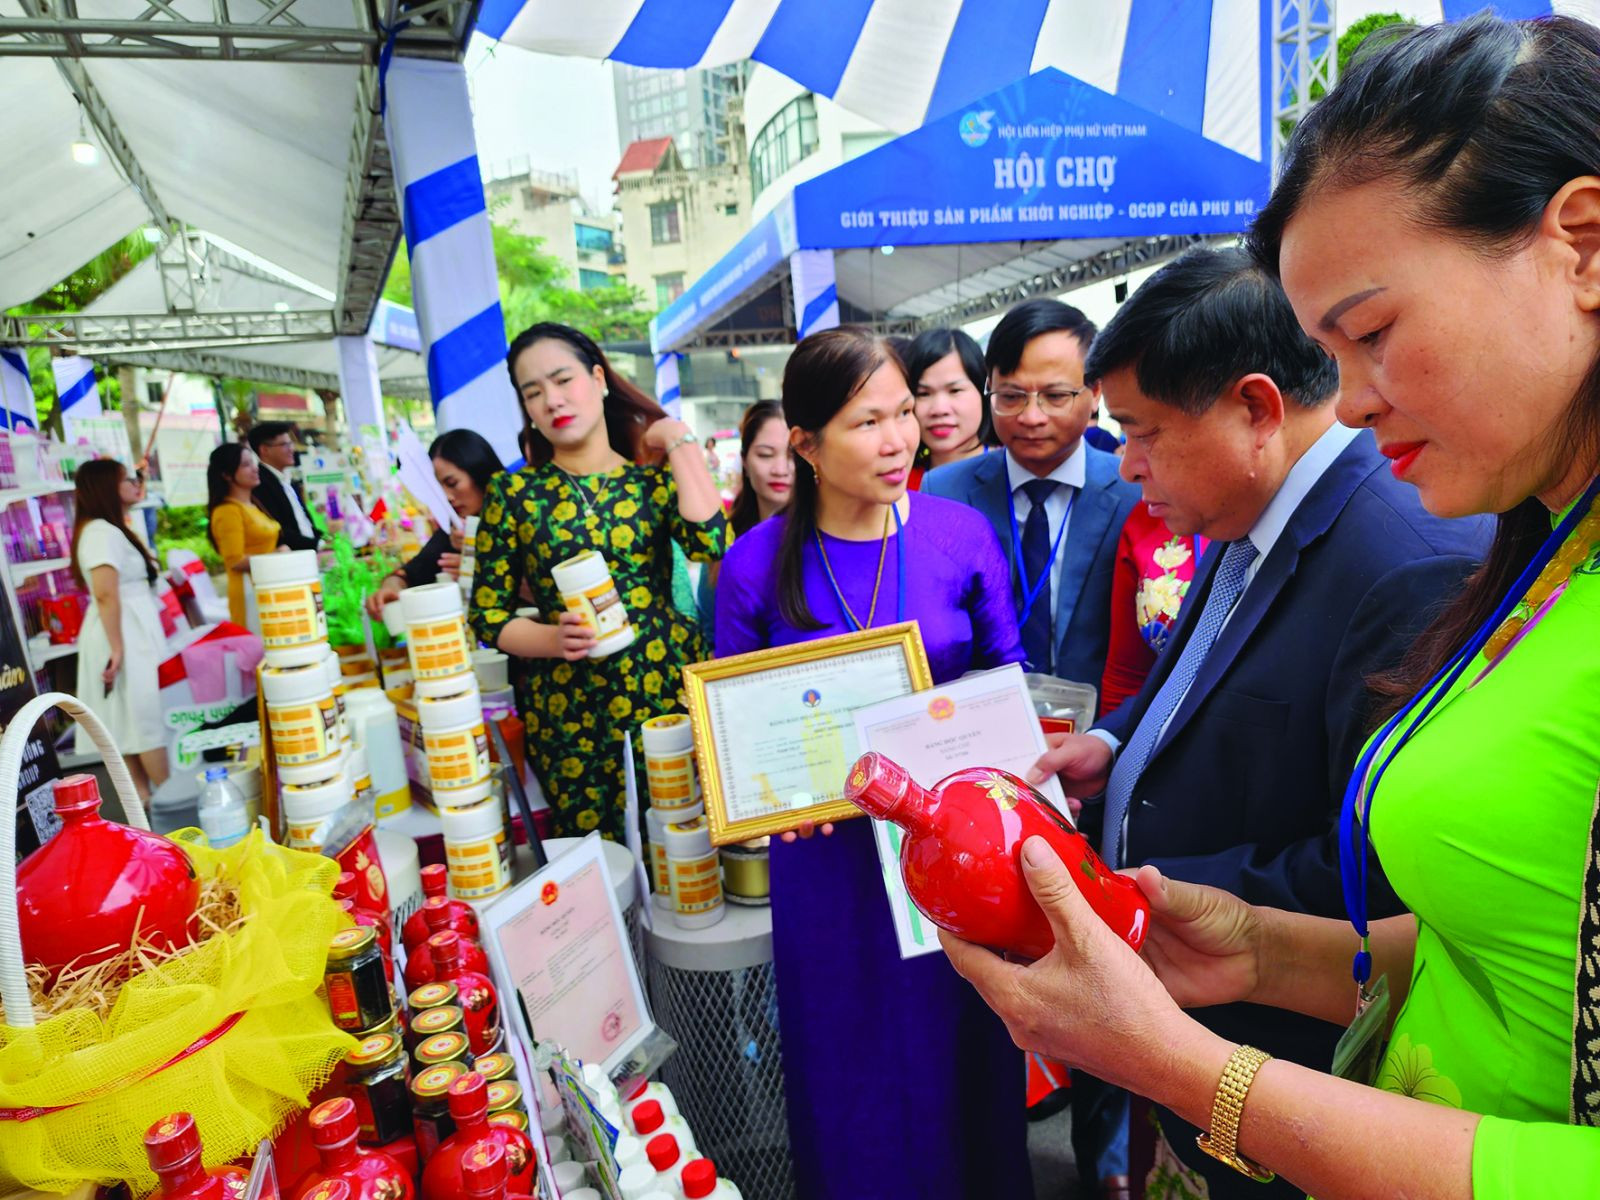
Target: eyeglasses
x=1053 y=398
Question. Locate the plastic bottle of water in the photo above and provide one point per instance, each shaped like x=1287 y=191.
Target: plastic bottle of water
x=224 y=816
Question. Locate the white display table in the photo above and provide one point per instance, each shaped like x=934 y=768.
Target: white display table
x=713 y=990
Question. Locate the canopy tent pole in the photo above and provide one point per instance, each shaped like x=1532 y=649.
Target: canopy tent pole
x=816 y=291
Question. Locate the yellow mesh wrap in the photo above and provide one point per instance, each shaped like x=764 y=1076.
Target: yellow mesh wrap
x=242 y=1087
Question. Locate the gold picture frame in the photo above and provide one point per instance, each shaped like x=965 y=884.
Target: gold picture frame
x=785 y=714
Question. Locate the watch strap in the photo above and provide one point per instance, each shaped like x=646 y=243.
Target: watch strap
x=1227 y=1110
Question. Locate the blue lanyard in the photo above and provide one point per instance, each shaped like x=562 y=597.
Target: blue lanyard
x=1040 y=586
x=900 y=574
x=1354 y=834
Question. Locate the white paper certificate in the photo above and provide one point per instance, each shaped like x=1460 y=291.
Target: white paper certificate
x=983 y=720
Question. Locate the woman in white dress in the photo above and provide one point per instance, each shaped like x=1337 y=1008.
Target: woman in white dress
x=121 y=645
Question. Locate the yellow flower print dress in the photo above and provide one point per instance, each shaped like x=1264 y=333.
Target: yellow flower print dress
x=578 y=713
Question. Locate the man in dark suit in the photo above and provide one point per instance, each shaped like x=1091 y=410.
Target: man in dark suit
x=1056 y=502
x=1230 y=765
x=281 y=497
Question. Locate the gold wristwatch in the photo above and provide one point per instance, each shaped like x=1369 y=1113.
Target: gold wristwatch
x=1222 y=1143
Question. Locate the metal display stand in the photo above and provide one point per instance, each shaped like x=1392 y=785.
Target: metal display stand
x=714 y=991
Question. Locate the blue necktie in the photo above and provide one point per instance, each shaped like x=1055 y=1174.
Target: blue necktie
x=1225 y=590
x=1038 y=623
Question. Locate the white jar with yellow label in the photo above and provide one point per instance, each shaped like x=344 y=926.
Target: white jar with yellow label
x=477 y=854
x=670 y=768
x=288 y=589
x=309 y=811
x=455 y=741
x=436 y=637
x=695 y=871
x=587 y=589
x=302 y=714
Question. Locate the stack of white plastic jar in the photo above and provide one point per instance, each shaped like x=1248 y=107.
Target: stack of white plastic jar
x=456 y=741
x=302 y=690
x=685 y=868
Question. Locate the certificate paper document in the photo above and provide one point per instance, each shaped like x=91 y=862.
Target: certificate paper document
x=559 y=941
x=985 y=720
x=785 y=738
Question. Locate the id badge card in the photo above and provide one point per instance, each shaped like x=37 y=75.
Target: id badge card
x=1359 y=1054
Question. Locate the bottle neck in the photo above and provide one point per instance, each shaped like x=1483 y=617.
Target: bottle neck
x=339 y=1155
x=882 y=788
x=188 y=1178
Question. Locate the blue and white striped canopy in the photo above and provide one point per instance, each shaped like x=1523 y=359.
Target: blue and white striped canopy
x=901 y=62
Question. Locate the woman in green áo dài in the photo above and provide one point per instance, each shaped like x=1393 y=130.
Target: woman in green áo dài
x=608 y=471
x=1436 y=226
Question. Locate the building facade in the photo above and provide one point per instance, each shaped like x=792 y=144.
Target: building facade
x=547 y=205
x=794 y=135
x=690 y=107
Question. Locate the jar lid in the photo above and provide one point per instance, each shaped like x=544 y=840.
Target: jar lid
x=292 y=566
x=441 y=1018
x=699 y=1178
x=308 y=801
x=171 y=1141
x=77 y=793
x=375 y=1049
x=484 y=819
x=292 y=685
x=455 y=799
x=348 y=943
x=662 y=1151
x=431 y=995
x=442 y=1047
x=452 y=712
x=669 y=734
x=435 y=1081
x=333 y=1121
x=430 y=601
x=494 y=1067
x=310 y=774
x=584 y=569
x=447 y=685
x=690 y=839
x=468 y=1098
x=504 y=1094
x=510 y=1117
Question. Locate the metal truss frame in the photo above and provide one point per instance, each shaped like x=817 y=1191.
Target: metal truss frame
x=1299 y=26
x=203 y=362
x=113 y=335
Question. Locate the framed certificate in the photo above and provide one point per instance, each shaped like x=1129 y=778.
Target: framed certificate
x=774 y=732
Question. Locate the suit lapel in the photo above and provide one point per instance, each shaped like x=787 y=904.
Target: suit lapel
x=1092 y=513
x=1316 y=513
x=990 y=494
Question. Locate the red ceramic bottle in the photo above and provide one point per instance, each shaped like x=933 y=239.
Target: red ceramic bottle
x=435 y=882
x=443 y=1176
x=483 y=1174
x=439 y=914
x=370 y=1174
x=172 y=1146
x=479 y=1002
x=960 y=855
x=83 y=894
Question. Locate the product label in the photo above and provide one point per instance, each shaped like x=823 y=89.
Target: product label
x=307 y=835
x=304 y=733
x=477 y=868
x=672 y=781
x=439 y=648
x=342 y=1000
x=696 y=884
x=601 y=608
x=291 y=615
x=660 y=880
x=457 y=759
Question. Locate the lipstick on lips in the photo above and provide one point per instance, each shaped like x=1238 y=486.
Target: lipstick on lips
x=1401 y=456
x=563 y=421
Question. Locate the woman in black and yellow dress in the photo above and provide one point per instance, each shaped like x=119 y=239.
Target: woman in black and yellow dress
x=608 y=470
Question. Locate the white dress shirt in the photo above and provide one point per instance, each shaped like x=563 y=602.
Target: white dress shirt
x=301 y=518
x=1057 y=508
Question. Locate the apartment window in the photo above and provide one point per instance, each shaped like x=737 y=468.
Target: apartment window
x=790 y=136
x=668 y=288
x=730 y=210
x=592 y=237
x=664 y=223
x=589 y=280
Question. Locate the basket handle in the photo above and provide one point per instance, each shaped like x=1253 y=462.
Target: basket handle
x=13 y=976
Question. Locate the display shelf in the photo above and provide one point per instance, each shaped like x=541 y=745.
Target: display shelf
x=32 y=491
x=50 y=654
x=27 y=570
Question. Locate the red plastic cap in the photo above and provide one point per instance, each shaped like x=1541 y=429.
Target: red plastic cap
x=436 y=913
x=662 y=1151
x=344 y=888
x=171 y=1141
x=77 y=792
x=435 y=879
x=876 y=785
x=446 y=950
x=469 y=1098
x=699 y=1178
x=483 y=1168
x=636 y=1089
x=333 y=1123
x=648 y=1117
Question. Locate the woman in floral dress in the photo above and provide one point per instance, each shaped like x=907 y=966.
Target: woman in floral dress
x=1154 y=567
x=608 y=470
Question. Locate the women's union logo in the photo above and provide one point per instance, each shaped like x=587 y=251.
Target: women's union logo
x=976 y=126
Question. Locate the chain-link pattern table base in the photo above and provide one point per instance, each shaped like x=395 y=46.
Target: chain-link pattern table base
x=713 y=990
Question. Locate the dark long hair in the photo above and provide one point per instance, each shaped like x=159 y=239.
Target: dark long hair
x=746 y=508
x=1482 y=121
x=825 y=371
x=220 y=470
x=628 y=411
x=97 y=499
x=929 y=347
x=471 y=452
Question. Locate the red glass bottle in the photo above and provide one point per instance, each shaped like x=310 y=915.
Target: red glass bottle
x=442 y=1177
x=370 y=1174
x=476 y=994
x=439 y=913
x=960 y=855
x=435 y=882
x=83 y=894
x=483 y=1173
x=344 y=892
x=172 y=1146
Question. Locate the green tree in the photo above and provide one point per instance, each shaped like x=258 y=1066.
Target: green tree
x=1349 y=42
x=535 y=286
